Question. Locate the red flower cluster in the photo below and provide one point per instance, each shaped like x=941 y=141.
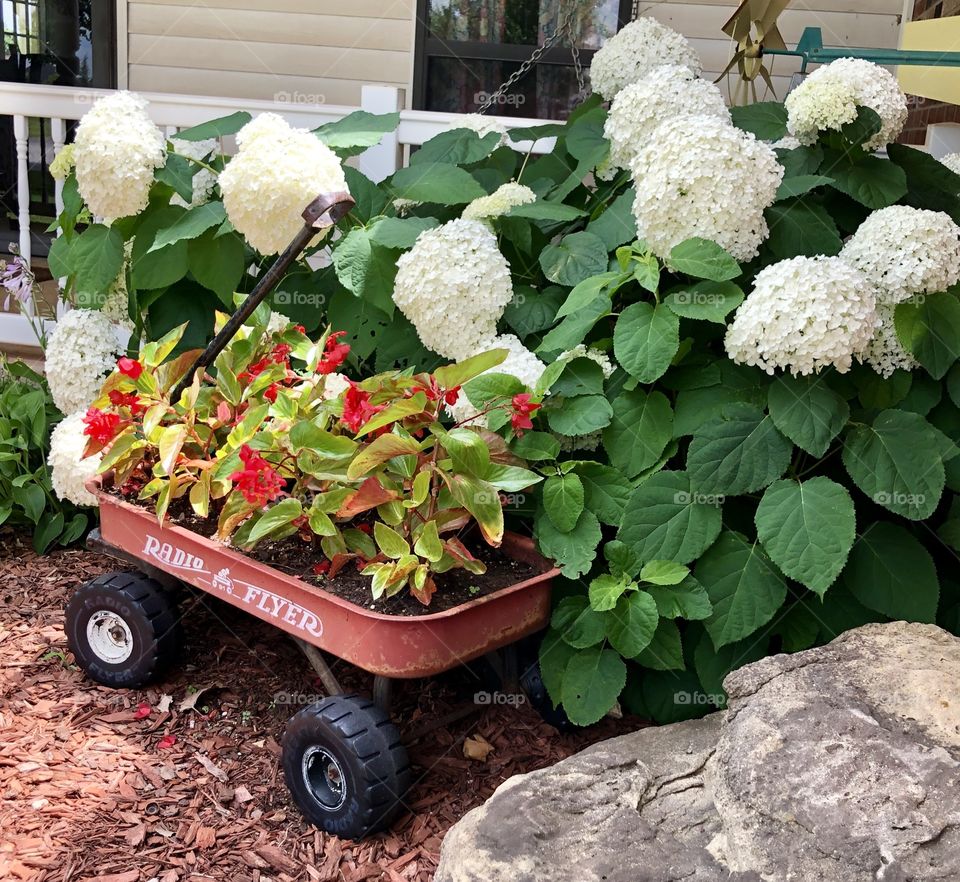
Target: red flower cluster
x=334 y=355
x=254 y=370
x=100 y=426
x=259 y=482
x=522 y=408
x=433 y=392
x=281 y=354
x=357 y=408
x=130 y=368
x=271 y=392
x=127 y=399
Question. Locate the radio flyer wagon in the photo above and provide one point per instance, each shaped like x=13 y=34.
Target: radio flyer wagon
x=342 y=757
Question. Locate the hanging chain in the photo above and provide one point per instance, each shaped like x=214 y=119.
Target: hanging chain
x=565 y=26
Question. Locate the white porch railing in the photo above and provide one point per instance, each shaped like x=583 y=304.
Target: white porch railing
x=61 y=105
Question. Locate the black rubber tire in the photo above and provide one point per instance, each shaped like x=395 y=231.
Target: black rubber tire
x=369 y=762
x=148 y=611
x=532 y=683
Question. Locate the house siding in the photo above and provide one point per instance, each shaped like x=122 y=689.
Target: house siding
x=304 y=51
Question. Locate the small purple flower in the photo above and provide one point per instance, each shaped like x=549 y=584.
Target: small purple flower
x=17 y=279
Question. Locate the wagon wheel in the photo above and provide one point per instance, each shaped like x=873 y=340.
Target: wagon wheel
x=345 y=766
x=123 y=629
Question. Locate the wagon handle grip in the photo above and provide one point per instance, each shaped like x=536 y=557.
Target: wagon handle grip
x=323 y=212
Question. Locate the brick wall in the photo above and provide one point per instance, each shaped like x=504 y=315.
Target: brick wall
x=923 y=111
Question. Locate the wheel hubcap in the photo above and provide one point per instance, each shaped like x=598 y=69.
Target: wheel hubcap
x=109 y=637
x=324 y=778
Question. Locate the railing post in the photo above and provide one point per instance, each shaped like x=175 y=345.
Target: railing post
x=383 y=160
x=21 y=136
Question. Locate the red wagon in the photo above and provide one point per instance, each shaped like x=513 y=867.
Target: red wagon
x=343 y=759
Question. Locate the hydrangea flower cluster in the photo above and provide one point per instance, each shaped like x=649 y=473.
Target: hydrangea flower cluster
x=69 y=470
x=829 y=97
x=454 y=285
x=82 y=350
x=116 y=151
x=276 y=174
x=204 y=180
x=665 y=92
x=951 y=161
x=804 y=314
x=885 y=353
x=63 y=162
x=482 y=125
x=499 y=202
x=906 y=251
x=634 y=51
x=700 y=176
x=520 y=363
x=594 y=354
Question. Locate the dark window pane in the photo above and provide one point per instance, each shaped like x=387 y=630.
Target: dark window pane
x=520 y=22
x=456 y=85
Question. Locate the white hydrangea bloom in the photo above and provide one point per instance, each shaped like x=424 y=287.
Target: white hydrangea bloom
x=804 y=314
x=116 y=150
x=700 y=176
x=403 y=207
x=665 y=92
x=500 y=201
x=482 y=125
x=204 y=180
x=69 y=471
x=787 y=142
x=116 y=300
x=829 y=97
x=520 y=363
x=905 y=251
x=570 y=443
x=454 y=285
x=278 y=322
x=82 y=351
x=334 y=385
x=632 y=53
x=885 y=353
x=63 y=163
x=276 y=174
x=952 y=162
x=598 y=355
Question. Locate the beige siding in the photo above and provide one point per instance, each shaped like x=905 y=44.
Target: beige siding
x=874 y=23
x=311 y=51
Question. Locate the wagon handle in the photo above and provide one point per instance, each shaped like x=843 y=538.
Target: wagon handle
x=323 y=212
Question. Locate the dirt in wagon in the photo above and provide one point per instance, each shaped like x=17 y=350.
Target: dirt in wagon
x=180 y=782
x=298 y=558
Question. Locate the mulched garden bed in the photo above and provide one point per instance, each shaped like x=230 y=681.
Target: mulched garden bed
x=89 y=792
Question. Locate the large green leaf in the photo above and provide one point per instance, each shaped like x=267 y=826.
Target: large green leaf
x=191 y=224
x=930 y=330
x=744 y=587
x=645 y=340
x=571 y=331
x=149 y=269
x=632 y=622
x=574 y=551
x=397 y=232
x=641 y=429
x=807 y=411
x=546 y=211
x=664 y=520
x=482 y=501
x=891 y=572
x=606 y=491
x=931 y=185
x=216 y=128
x=737 y=453
x=807 y=528
x=578 y=622
x=275 y=519
x=665 y=650
x=96 y=257
x=767 y=120
x=456 y=147
x=895 y=462
x=872 y=181
x=554 y=656
x=563 y=498
x=436 y=182
x=217 y=263
x=592 y=680
x=580 y=415
x=585 y=292
x=798 y=227
x=617 y=225
x=707 y=301
x=688 y=600
x=366 y=269
x=704 y=259
x=357 y=131
x=574 y=258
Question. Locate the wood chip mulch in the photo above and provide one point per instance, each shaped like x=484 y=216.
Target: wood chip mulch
x=181 y=781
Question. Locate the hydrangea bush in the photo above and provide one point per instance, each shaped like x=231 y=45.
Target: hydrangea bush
x=733 y=351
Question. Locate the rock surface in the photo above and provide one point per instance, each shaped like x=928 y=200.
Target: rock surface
x=841 y=763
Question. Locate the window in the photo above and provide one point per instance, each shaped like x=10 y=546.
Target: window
x=466 y=49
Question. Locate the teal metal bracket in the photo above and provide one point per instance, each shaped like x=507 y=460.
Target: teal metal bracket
x=811 y=50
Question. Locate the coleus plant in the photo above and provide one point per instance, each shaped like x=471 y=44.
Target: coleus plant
x=274 y=444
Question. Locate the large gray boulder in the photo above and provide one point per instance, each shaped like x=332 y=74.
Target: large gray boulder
x=841 y=763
